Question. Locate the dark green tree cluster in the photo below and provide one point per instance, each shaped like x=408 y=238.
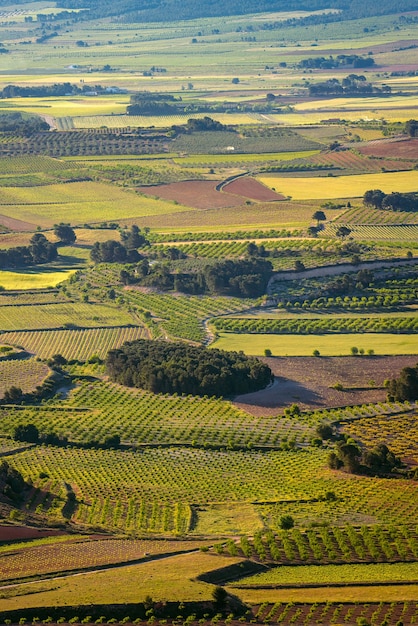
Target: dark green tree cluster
x=352 y=85
x=16 y=123
x=411 y=128
x=341 y=60
x=239 y=278
x=65 y=233
x=378 y=461
x=180 y=368
x=394 y=201
x=12 y=484
x=38 y=252
x=40 y=91
x=112 y=251
x=406 y=386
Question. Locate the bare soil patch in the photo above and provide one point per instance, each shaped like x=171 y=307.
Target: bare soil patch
x=251 y=188
x=199 y=194
x=16 y=533
x=17 y=225
x=404 y=148
x=307 y=381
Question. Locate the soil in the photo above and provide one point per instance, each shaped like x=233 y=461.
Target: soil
x=199 y=194
x=307 y=381
x=404 y=148
x=17 y=533
x=251 y=188
x=16 y=225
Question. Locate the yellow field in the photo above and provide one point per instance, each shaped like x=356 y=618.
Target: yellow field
x=368 y=104
x=79 y=203
x=355 y=115
x=37 y=279
x=328 y=345
x=331 y=187
x=73 y=105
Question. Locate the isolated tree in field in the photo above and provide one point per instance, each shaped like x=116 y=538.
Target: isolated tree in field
x=286 y=522
x=319 y=216
x=342 y=232
x=65 y=233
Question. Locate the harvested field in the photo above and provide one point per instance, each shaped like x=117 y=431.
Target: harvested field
x=251 y=188
x=357 y=164
x=307 y=380
x=199 y=194
x=407 y=148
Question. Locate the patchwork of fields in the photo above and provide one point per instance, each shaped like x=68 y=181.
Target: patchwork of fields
x=227 y=213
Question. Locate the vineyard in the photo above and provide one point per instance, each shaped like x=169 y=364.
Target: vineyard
x=54 y=316
x=26 y=374
x=319 y=326
x=153 y=489
x=79 y=344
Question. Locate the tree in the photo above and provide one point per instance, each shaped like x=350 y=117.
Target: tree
x=26 y=432
x=342 y=232
x=12 y=395
x=319 y=216
x=65 y=233
x=235 y=81
x=374 y=198
x=286 y=522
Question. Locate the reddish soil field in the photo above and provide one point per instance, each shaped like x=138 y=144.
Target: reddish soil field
x=407 y=148
x=251 y=188
x=16 y=533
x=307 y=380
x=17 y=225
x=199 y=194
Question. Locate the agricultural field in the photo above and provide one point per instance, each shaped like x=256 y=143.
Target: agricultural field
x=126 y=495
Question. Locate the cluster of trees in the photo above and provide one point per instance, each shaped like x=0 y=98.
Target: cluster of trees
x=38 y=252
x=16 y=123
x=150 y=103
x=411 y=128
x=238 y=277
x=40 y=91
x=12 y=484
x=406 y=386
x=183 y=369
x=352 y=85
x=378 y=461
x=126 y=251
x=341 y=60
x=394 y=201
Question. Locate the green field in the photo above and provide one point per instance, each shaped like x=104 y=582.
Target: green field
x=328 y=345
x=34 y=278
x=81 y=202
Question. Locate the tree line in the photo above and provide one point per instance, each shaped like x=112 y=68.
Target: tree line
x=351 y=85
x=246 y=278
x=394 y=201
x=184 y=369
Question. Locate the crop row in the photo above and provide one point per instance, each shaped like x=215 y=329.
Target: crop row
x=96 y=409
x=78 y=344
x=347 y=544
x=367 y=215
x=400 y=232
x=248 y=235
x=37 y=558
x=31 y=164
x=318 y=326
x=48 y=316
x=24 y=374
x=143 y=489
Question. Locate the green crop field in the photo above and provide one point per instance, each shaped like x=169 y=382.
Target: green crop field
x=82 y=202
x=38 y=278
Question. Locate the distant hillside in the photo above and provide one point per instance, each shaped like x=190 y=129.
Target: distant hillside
x=164 y=10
